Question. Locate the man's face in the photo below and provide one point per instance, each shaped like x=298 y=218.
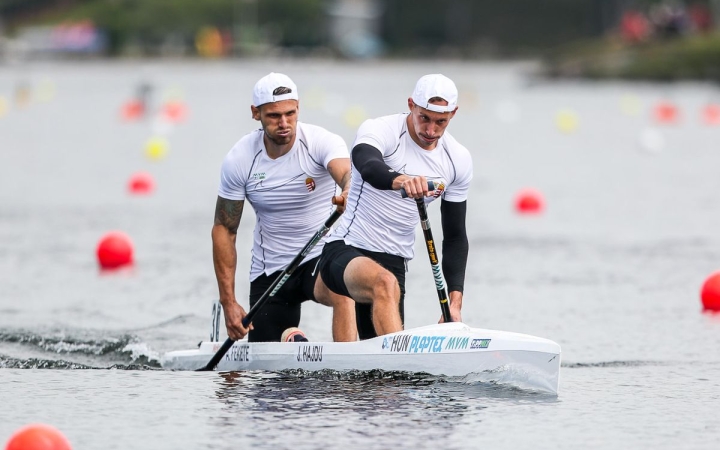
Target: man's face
x=428 y=126
x=279 y=120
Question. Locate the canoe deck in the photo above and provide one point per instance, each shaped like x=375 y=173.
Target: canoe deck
x=452 y=349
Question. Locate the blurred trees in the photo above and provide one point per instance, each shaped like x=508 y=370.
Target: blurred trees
x=151 y=24
x=420 y=28
x=469 y=27
x=494 y=28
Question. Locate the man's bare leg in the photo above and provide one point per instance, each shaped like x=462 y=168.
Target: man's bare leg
x=344 y=327
x=368 y=282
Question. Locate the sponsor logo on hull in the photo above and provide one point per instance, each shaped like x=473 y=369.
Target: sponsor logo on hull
x=480 y=343
x=407 y=343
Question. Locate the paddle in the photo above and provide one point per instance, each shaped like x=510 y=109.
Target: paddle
x=273 y=288
x=430 y=245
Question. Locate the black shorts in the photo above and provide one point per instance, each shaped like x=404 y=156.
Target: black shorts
x=282 y=310
x=336 y=256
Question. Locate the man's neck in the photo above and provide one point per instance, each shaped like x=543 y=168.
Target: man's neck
x=274 y=151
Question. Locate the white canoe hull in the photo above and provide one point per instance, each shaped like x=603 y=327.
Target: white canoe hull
x=452 y=349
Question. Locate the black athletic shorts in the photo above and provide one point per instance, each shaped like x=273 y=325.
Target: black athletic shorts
x=282 y=310
x=336 y=256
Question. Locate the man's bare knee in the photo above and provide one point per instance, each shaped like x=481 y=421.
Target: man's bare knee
x=386 y=288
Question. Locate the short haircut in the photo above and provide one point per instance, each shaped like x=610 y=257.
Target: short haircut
x=282 y=90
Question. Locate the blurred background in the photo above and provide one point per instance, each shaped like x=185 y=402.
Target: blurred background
x=632 y=38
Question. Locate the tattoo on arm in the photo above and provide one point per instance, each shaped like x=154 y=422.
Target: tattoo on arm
x=228 y=213
x=341 y=173
x=345 y=182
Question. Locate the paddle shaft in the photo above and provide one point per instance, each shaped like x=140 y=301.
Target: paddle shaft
x=273 y=288
x=432 y=253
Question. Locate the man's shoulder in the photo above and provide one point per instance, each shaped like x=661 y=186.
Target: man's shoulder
x=246 y=147
x=392 y=121
x=392 y=125
x=454 y=147
x=249 y=140
x=310 y=131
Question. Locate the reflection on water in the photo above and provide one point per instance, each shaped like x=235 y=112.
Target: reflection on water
x=373 y=403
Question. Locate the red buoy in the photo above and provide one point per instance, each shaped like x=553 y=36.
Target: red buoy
x=38 y=436
x=711 y=114
x=710 y=293
x=132 y=110
x=141 y=183
x=174 y=111
x=529 y=201
x=666 y=112
x=114 y=250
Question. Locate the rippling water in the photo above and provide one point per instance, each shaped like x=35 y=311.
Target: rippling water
x=611 y=271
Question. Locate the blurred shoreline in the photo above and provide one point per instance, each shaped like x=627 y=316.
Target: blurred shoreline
x=653 y=40
x=694 y=58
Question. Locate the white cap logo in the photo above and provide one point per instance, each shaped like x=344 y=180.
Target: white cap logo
x=264 y=90
x=435 y=85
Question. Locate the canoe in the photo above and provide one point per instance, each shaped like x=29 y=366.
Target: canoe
x=447 y=349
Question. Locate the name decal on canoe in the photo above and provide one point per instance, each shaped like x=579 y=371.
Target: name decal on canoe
x=310 y=353
x=407 y=343
x=238 y=353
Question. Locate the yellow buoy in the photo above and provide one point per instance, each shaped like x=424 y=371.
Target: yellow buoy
x=314 y=98
x=156 y=148
x=45 y=91
x=566 y=121
x=173 y=94
x=354 y=116
x=630 y=105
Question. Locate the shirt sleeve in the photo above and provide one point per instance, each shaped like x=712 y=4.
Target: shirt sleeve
x=232 y=182
x=375 y=133
x=457 y=189
x=332 y=147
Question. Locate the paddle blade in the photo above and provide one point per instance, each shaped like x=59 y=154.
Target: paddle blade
x=217 y=357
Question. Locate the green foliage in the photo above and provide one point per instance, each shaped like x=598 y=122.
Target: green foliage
x=694 y=57
x=296 y=22
x=301 y=22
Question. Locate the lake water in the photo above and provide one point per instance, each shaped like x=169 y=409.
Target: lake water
x=611 y=270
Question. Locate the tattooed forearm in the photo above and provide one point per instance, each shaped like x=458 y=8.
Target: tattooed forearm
x=345 y=181
x=339 y=169
x=228 y=213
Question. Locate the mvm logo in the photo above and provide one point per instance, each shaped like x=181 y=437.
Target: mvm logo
x=457 y=343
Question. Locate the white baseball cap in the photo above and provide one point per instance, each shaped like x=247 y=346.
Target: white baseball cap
x=264 y=88
x=435 y=85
